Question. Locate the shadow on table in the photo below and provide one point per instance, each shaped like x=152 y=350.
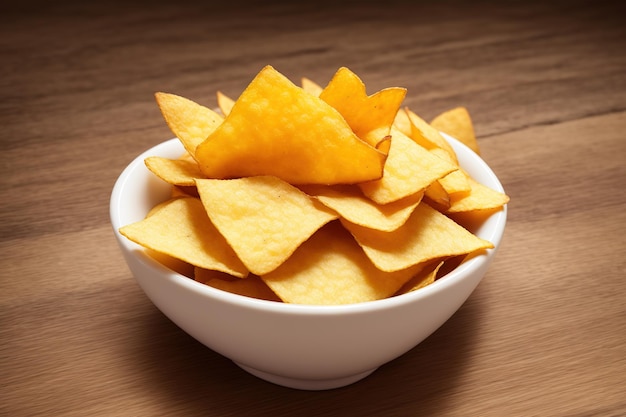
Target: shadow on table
x=190 y=379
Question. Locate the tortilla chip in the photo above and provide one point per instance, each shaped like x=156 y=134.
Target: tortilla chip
x=264 y=219
x=426 y=235
x=181 y=229
x=276 y=128
x=190 y=122
x=329 y=269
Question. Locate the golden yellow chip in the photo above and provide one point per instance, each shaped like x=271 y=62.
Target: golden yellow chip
x=276 y=128
x=181 y=229
x=425 y=277
x=458 y=124
x=429 y=137
x=174 y=171
x=264 y=219
x=311 y=87
x=251 y=286
x=370 y=117
x=330 y=268
x=425 y=236
x=351 y=204
x=409 y=169
x=456 y=183
x=480 y=197
x=190 y=122
x=402 y=122
x=225 y=103
x=437 y=196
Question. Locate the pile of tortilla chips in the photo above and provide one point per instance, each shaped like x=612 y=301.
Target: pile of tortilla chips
x=314 y=195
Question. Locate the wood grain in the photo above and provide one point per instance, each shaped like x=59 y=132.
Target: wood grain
x=545 y=82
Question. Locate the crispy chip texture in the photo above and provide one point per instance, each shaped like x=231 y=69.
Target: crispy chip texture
x=437 y=196
x=330 y=268
x=352 y=205
x=426 y=235
x=191 y=122
x=182 y=230
x=480 y=197
x=458 y=124
x=409 y=169
x=370 y=117
x=429 y=137
x=179 y=172
x=456 y=182
x=263 y=218
x=276 y=128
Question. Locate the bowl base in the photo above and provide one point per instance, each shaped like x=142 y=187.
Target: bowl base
x=306 y=384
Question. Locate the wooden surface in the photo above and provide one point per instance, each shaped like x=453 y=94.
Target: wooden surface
x=545 y=332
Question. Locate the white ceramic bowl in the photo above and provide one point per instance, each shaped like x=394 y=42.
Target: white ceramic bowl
x=297 y=346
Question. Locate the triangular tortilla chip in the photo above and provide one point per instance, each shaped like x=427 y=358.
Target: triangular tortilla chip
x=429 y=137
x=264 y=219
x=351 y=204
x=426 y=235
x=331 y=268
x=179 y=172
x=190 y=122
x=276 y=128
x=455 y=183
x=370 y=117
x=480 y=197
x=409 y=169
x=181 y=229
x=458 y=124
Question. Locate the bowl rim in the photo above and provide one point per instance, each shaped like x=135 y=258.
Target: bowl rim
x=467 y=267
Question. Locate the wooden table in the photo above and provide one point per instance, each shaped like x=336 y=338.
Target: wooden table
x=545 y=332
